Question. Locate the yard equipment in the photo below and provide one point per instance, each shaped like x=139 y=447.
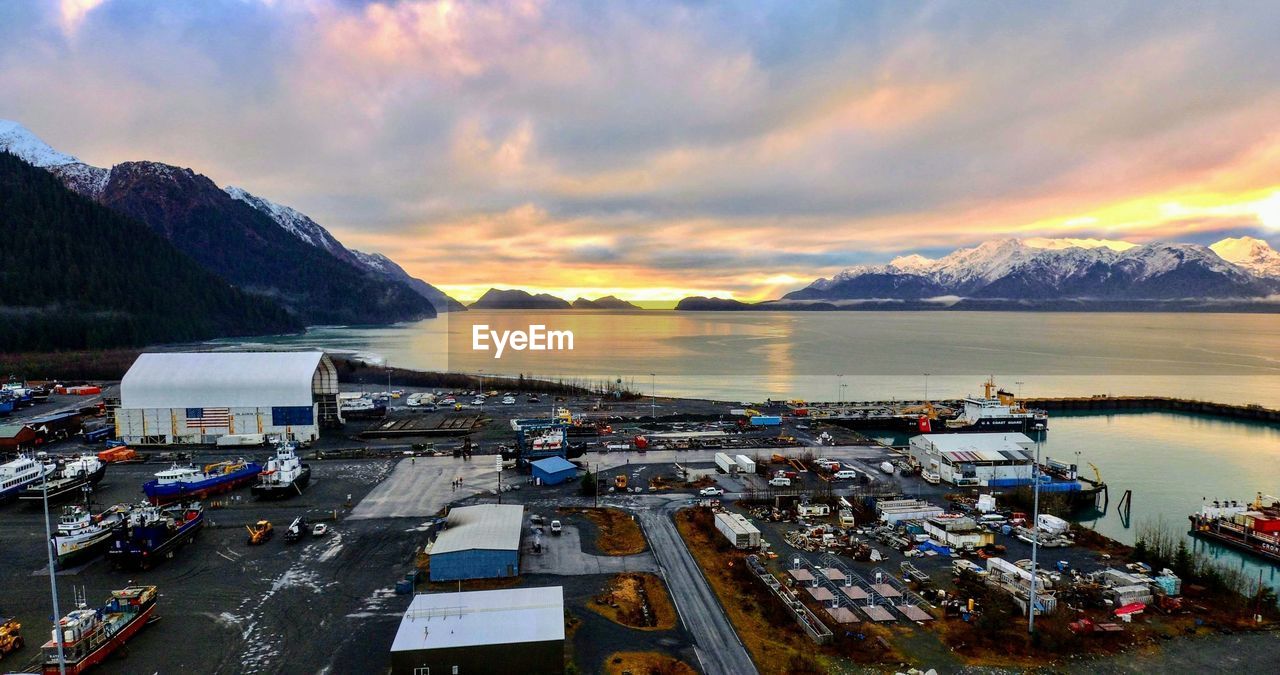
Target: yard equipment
x=10 y=640
x=260 y=532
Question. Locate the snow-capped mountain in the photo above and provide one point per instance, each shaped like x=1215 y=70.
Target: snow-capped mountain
x=1014 y=269
x=303 y=227
x=1254 y=255
x=294 y=222
x=150 y=191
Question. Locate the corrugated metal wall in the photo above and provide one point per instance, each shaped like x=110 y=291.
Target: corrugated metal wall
x=159 y=426
x=474 y=564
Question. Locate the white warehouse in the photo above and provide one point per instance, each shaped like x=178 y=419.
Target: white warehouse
x=971 y=460
x=171 y=398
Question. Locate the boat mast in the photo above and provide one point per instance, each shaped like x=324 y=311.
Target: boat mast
x=53 y=579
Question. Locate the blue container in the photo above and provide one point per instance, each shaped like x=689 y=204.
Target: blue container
x=766 y=421
x=404 y=587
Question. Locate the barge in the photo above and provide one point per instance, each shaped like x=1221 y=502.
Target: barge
x=1254 y=528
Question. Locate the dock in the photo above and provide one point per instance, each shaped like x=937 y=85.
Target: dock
x=1250 y=412
x=424 y=425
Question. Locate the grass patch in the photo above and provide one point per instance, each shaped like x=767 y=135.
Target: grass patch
x=646 y=663
x=636 y=600
x=617 y=532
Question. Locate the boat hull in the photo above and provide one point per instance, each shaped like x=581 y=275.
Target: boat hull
x=62 y=489
x=86 y=548
x=142 y=549
x=285 y=490
x=107 y=648
x=203 y=489
x=1263 y=546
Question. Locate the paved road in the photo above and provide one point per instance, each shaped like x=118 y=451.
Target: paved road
x=718 y=648
x=563 y=554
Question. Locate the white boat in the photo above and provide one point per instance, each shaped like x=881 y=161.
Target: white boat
x=887 y=467
x=930 y=477
x=21 y=472
x=81 y=534
x=284 y=476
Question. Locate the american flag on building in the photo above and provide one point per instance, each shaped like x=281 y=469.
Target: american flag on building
x=208 y=418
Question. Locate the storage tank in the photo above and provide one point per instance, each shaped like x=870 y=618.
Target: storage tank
x=726 y=463
x=745 y=464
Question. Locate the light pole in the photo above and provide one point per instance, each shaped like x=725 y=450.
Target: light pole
x=53 y=579
x=1035 y=540
x=653 y=397
x=926 y=387
x=1019 y=390
x=840 y=388
x=481 y=381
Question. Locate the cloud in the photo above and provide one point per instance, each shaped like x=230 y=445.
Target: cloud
x=674 y=145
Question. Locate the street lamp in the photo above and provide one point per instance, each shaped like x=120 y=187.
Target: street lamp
x=653 y=397
x=1035 y=541
x=840 y=388
x=53 y=580
x=926 y=387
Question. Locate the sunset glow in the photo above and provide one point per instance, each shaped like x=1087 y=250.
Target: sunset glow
x=656 y=151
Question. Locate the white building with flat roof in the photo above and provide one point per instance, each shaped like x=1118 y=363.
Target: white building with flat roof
x=975 y=460
x=515 y=630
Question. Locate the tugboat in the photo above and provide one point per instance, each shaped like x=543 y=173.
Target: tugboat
x=285 y=475
x=81 y=534
x=17 y=474
x=74 y=475
x=150 y=533
x=188 y=482
x=89 y=636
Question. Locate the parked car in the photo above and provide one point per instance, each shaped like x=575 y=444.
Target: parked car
x=780 y=481
x=845 y=474
x=711 y=492
x=508 y=400
x=556 y=527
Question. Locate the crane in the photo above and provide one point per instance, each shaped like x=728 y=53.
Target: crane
x=1097 y=474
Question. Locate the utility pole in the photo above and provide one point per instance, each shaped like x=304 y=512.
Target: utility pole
x=53 y=579
x=653 y=397
x=597 y=479
x=1035 y=541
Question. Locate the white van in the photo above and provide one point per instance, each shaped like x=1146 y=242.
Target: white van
x=845 y=474
x=780 y=481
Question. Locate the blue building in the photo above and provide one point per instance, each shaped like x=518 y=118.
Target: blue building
x=554 y=470
x=478 y=542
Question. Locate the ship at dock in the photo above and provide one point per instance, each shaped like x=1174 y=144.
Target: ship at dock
x=149 y=534
x=88 y=636
x=81 y=534
x=188 y=482
x=70 y=480
x=1254 y=528
x=995 y=411
x=284 y=476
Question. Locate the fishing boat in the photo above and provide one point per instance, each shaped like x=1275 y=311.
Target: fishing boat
x=188 y=482
x=285 y=475
x=887 y=467
x=86 y=637
x=70 y=481
x=1249 y=527
x=17 y=474
x=149 y=533
x=81 y=534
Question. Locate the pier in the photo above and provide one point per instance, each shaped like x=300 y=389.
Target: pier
x=1250 y=412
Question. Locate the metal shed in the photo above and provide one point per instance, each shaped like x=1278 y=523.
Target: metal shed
x=510 y=630
x=554 y=470
x=17 y=437
x=479 y=542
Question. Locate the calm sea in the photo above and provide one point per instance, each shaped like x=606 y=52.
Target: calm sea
x=1171 y=462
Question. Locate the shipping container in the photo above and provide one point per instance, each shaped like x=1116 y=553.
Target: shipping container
x=745 y=464
x=726 y=463
x=766 y=421
x=738 y=530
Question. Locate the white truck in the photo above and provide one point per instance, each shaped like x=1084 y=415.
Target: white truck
x=240 y=440
x=726 y=463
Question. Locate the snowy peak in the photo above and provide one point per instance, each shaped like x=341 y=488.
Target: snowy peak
x=1056 y=269
x=18 y=140
x=1254 y=255
x=293 y=221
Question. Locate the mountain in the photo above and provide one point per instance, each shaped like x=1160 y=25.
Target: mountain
x=304 y=228
x=1254 y=255
x=701 y=303
x=607 y=302
x=1010 y=269
x=385 y=267
x=265 y=249
x=76 y=275
x=517 y=299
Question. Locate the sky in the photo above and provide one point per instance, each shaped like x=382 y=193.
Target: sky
x=655 y=150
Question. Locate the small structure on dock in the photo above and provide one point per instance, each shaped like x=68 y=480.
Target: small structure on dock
x=553 y=470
